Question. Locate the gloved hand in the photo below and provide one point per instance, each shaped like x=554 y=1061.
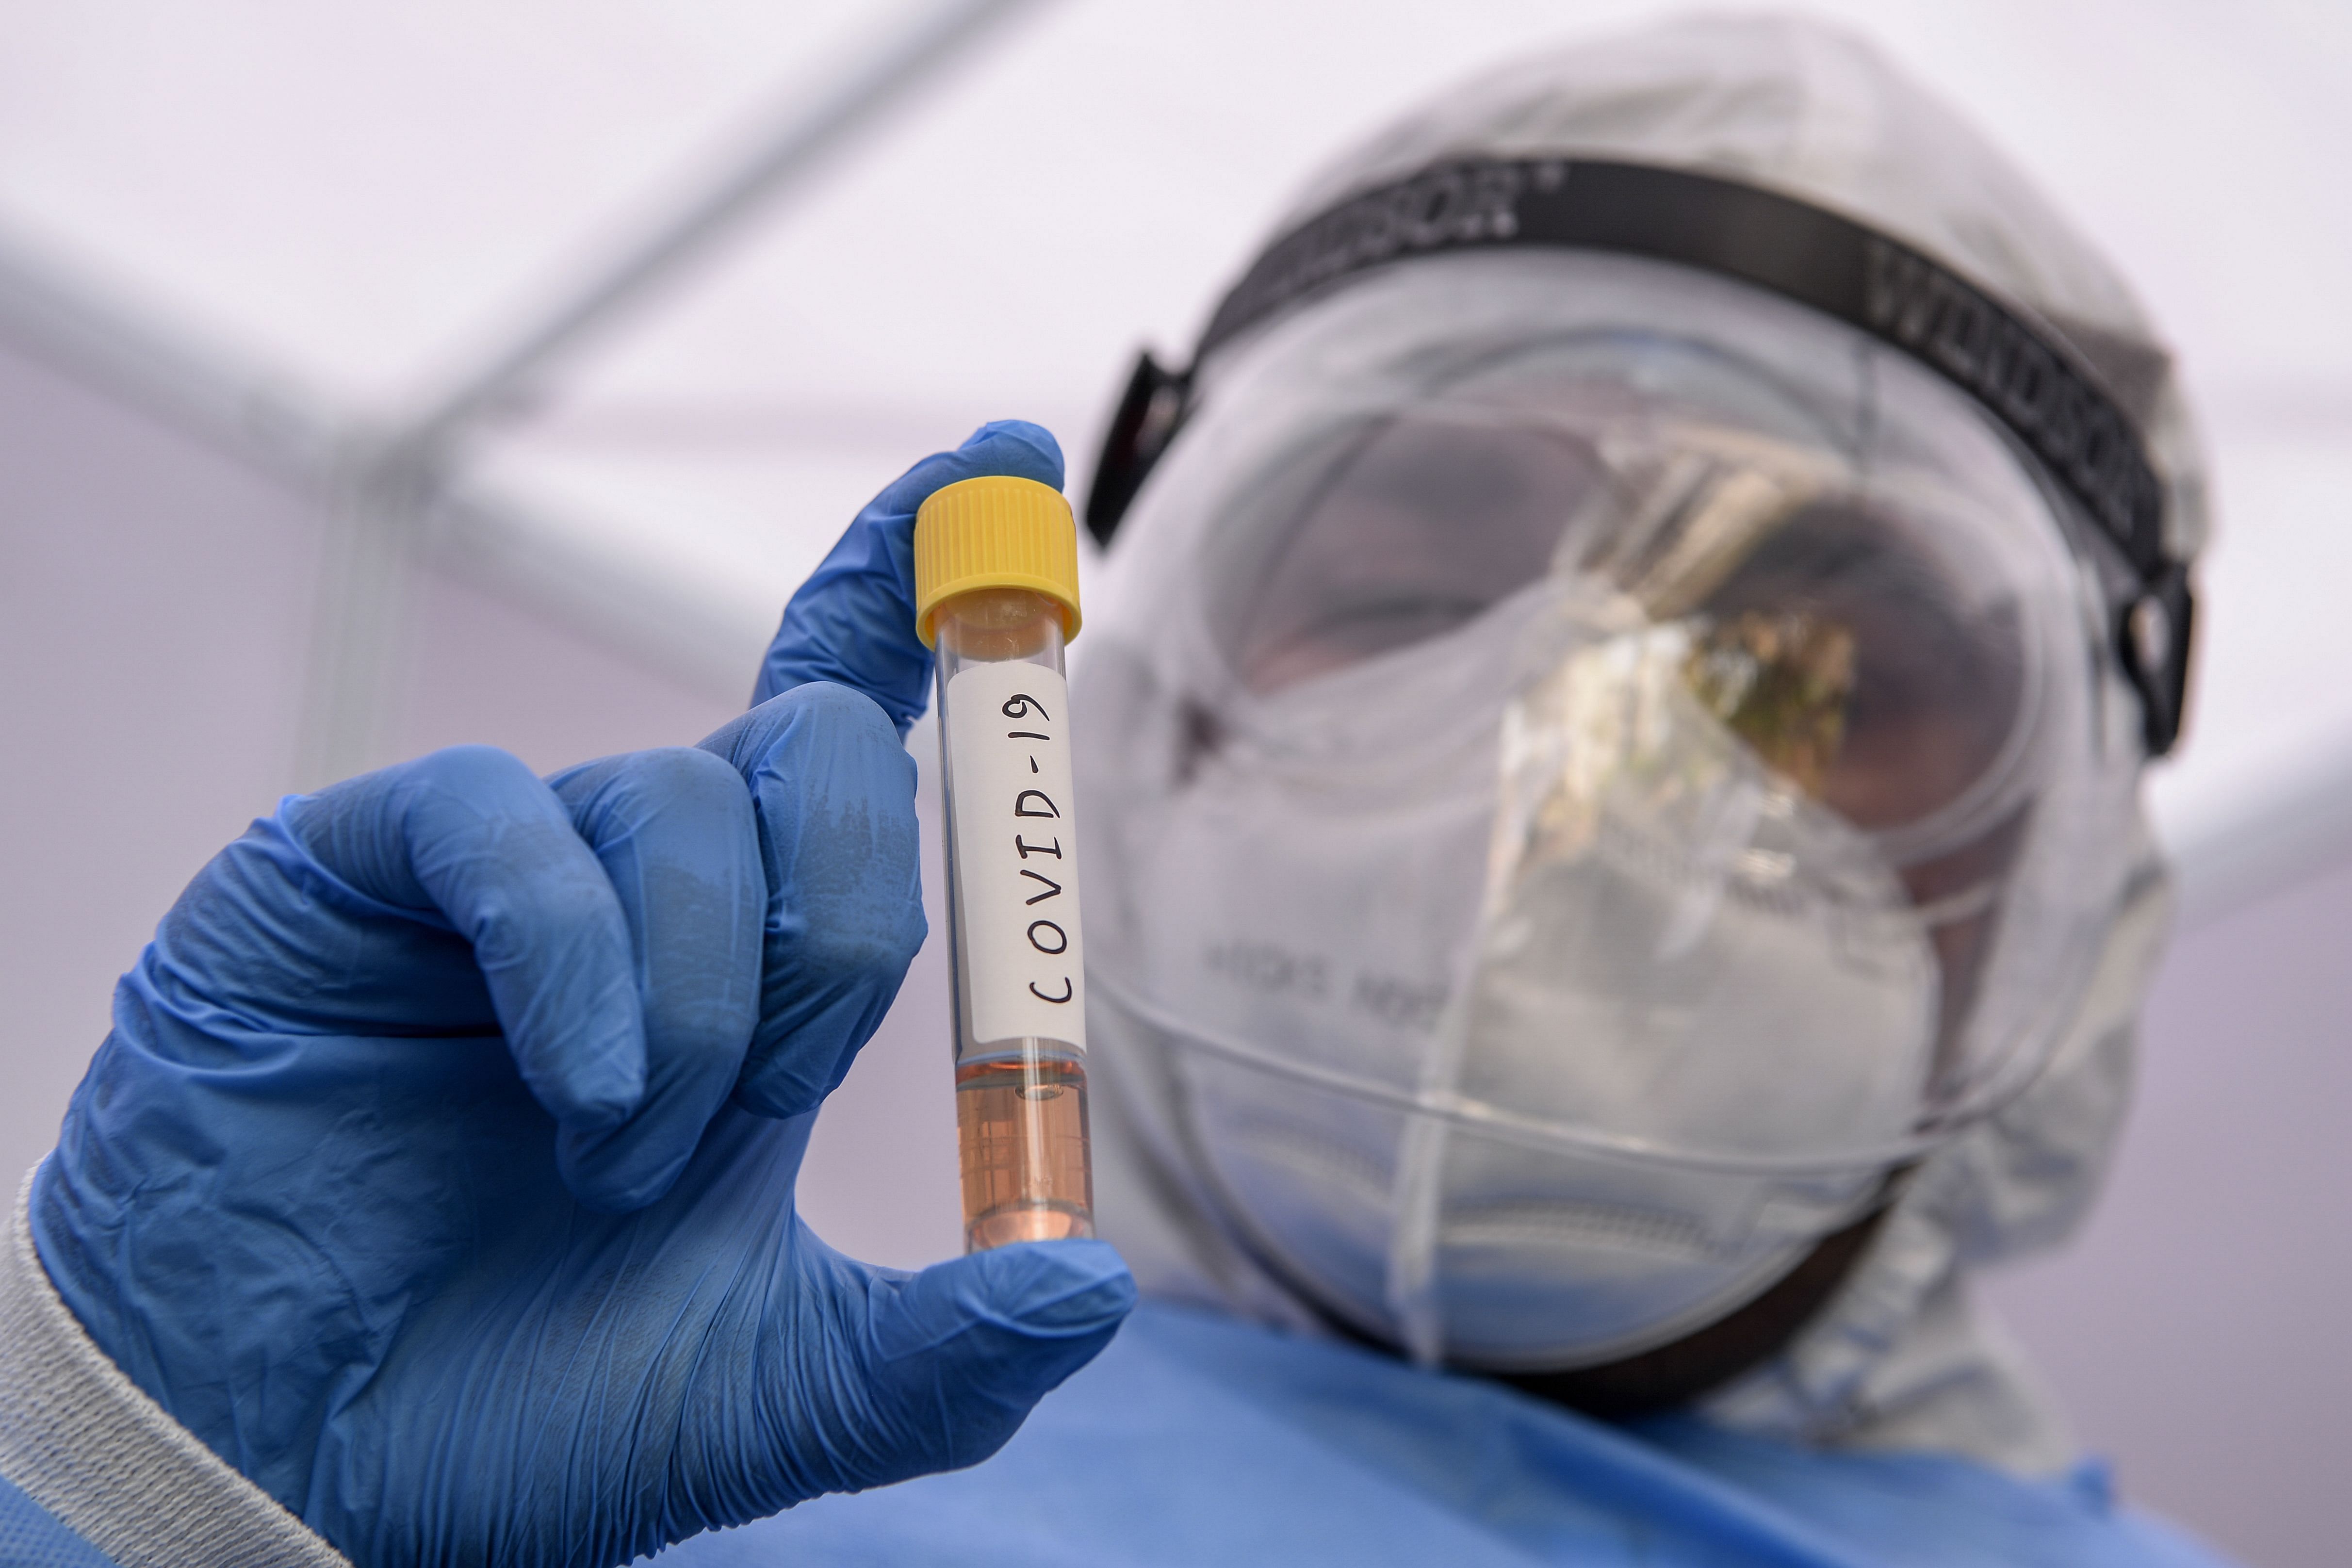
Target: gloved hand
x=438 y=1171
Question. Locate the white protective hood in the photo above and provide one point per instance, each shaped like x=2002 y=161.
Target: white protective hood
x=1898 y=1357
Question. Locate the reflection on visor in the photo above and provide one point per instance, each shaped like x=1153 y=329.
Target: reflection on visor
x=1834 y=631
x=1781 y=683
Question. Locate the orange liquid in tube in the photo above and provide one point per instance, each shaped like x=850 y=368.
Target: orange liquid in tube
x=996 y=594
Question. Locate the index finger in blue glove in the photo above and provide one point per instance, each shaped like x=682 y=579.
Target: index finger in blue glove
x=852 y=622
x=834 y=793
x=470 y=836
x=674 y=830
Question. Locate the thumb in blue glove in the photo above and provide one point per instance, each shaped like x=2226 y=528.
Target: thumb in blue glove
x=854 y=620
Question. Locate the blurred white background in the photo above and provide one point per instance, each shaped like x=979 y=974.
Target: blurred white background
x=244 y=244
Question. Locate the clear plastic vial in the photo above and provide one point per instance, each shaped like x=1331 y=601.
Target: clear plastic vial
x=996 y=597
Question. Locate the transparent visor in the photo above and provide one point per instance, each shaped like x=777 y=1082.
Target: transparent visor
x=1592 y=753
x=1851 y=634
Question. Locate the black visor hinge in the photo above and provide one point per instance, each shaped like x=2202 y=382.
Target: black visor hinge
x=1146 y=420
x=2152 y=637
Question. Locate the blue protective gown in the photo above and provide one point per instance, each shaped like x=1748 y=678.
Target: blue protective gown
x=1200 y=1439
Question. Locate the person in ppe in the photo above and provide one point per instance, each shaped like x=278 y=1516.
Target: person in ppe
x=1611 y=791
x=1609 y=752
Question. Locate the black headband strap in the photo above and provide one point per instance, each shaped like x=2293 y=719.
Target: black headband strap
x=2031 y=384
x=2026 y=377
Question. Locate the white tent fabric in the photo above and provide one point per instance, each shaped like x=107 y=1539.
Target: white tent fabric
x=339 y=208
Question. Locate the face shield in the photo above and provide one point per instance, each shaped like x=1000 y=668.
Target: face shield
x=1585 y=804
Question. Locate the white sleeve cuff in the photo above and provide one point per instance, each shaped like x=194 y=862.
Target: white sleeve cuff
x=85 y=1443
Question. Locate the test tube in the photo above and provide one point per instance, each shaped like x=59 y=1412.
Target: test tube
x=996 y=593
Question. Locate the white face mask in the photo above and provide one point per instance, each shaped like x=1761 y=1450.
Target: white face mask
x=1665 y=947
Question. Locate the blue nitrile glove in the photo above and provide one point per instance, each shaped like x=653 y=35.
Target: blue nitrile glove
x=854 y=620
x=438 y=1171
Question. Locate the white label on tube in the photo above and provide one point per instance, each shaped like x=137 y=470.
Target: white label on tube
x=1016 y=853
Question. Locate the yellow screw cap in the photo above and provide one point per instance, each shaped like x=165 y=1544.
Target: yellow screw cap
x=995 y=532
